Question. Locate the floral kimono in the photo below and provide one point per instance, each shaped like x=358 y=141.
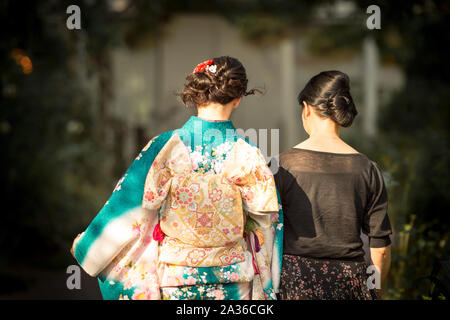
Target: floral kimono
x=196 y=216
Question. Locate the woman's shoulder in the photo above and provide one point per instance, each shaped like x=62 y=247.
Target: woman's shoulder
x=298 y=158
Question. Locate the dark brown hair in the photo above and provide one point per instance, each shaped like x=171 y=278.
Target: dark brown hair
x=228 y=82
x=329 y=95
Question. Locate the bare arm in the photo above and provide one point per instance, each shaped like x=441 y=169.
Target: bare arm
x=381 y=258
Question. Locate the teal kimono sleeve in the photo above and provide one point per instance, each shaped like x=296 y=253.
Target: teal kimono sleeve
x=111 y=230
x=278 y=225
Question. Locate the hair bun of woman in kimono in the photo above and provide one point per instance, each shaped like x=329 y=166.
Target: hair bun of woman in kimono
x=329 y=94
x=220 y=80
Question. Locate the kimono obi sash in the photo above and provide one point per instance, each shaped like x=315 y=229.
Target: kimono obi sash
x=203 y=210
x=202 y=213
x=174 y=251
x=203 y=221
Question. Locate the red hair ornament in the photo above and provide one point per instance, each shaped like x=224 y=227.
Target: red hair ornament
x=202 y=66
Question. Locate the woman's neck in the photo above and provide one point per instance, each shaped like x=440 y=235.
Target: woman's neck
x=324 y=129
x=214 y=111
x=324 y=136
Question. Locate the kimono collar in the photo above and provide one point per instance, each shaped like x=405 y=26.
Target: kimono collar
x=196 y=122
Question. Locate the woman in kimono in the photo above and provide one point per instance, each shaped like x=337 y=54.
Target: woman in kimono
x=196 y=216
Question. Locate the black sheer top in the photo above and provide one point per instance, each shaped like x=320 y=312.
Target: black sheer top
x=328 y=199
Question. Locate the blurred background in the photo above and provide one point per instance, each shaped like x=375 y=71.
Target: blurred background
x=78 y=105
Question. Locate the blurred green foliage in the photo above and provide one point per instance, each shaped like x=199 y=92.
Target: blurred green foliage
x=51 y=160
x=415 y=144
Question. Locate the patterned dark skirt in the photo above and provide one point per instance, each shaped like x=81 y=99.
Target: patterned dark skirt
x=316 y=279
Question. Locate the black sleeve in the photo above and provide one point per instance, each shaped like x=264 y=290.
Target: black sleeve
x=274 y=166
x=376 y=222
x=283 y=181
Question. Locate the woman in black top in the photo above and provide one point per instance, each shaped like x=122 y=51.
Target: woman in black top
x=330 y=193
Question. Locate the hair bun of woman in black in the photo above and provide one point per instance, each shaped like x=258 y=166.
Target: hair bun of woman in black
x=329 y=93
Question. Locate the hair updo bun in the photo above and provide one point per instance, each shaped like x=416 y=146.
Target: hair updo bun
x=329 y=94
x=222 y=84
